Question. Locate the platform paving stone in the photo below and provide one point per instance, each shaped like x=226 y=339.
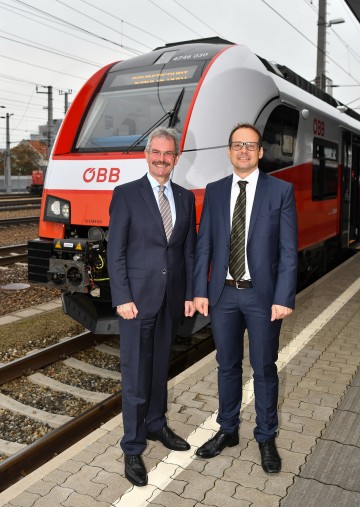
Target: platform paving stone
x=197 y=484
x=70 y=466
x=109 y=460
x=257 y=497
x=215 y=467
x=224 y=490
x=115 y=486
x=25 y=499
x=296 y=442
x=76 y=500
x=41 y=488
x=241 y=473
x=167 y=498
x=83 y=482
x=56 y=498
x=58 y=476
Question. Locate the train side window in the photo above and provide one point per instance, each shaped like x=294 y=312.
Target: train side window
x=324 y=170
x=279 y=139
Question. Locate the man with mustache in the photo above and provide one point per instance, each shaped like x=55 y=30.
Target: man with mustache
x=150 y=261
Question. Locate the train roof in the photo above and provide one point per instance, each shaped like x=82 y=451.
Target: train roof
x=275 y=68
x=300 y=82
x=206 y=40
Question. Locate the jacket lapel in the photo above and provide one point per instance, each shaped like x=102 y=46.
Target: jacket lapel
x=261 y=187
x=149 y=198
x=178 y=207
x=225 y=195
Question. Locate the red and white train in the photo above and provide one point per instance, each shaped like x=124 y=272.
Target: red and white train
x=201 y=88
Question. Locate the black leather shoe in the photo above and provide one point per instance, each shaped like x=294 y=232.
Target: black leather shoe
x=270 y=459
x=135 y=470
x=168 y=438
x=215 y=445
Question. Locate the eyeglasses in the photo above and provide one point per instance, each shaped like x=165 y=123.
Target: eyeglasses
x=249 y=145
x=166 y=154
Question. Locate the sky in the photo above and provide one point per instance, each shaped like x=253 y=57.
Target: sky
x=62 y=43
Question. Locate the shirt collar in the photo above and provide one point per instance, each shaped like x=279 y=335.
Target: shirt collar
x=251 y=179
x=155 y=183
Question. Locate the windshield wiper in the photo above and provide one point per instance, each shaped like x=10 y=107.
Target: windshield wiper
x=172 y=114
x=175 y=110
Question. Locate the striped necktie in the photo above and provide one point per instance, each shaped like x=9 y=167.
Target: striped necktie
x=237 y=237
x=165 y=212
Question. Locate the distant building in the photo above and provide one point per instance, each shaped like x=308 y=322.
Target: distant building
x=41 y=148
x=43 y=132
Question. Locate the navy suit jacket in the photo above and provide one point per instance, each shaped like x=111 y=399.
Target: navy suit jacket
x=271 y=246
x=141 y=263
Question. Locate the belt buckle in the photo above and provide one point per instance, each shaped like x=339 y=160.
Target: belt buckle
x=236 y=285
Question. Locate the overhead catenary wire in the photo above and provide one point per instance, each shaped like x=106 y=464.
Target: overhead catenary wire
x=101 y=23
x=76 y=27
x=175 y=18
x=123 y=21
x=303 y=35
x=16 y=10
x=51 y=51
x=42 y=67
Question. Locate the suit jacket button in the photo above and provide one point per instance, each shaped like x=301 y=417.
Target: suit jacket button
x=164 y=271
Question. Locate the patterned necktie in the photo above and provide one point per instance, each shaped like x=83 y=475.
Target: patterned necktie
x=237 y=237
x=165 y=212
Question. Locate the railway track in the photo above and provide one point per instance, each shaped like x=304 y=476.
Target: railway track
x=19 y=202
x=18 y=221
x=13 y=195
x=185 y=353
x=13 y=253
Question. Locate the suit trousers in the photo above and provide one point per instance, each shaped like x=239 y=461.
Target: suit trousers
x=236 y=311
x=144 y=357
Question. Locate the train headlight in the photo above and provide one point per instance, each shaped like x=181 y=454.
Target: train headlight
x=57 y=210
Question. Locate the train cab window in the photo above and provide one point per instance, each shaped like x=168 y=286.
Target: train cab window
x=132 y=102
x=324 y=170
x=279 y=139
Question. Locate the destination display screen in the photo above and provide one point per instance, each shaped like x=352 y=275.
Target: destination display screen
x=153 y=76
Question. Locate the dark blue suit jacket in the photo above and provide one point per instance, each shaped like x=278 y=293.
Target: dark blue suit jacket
x=141 y=264
x=271 y=247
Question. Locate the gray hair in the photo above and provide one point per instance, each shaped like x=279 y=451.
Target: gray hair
x=168 y=133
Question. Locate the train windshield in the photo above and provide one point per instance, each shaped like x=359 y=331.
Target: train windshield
x=133 y=102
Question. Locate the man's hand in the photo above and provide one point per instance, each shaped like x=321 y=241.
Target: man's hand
x=189 y=309
x=202 y=305
x=279 y=312
x=127 y=311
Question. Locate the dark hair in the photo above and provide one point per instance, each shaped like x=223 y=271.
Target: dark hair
x=245 y=126
x=164 y=132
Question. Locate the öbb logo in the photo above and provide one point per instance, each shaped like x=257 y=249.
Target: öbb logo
x=101 y=175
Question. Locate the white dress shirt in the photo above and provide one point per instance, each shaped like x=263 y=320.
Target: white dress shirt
x=167 y=191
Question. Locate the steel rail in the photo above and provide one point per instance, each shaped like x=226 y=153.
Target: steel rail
x=19 y=221
x=19 y=207
x=13 y=195
x=44 y=357
x=18 y=253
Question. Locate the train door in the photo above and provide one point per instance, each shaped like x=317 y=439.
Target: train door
x=350 y=190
